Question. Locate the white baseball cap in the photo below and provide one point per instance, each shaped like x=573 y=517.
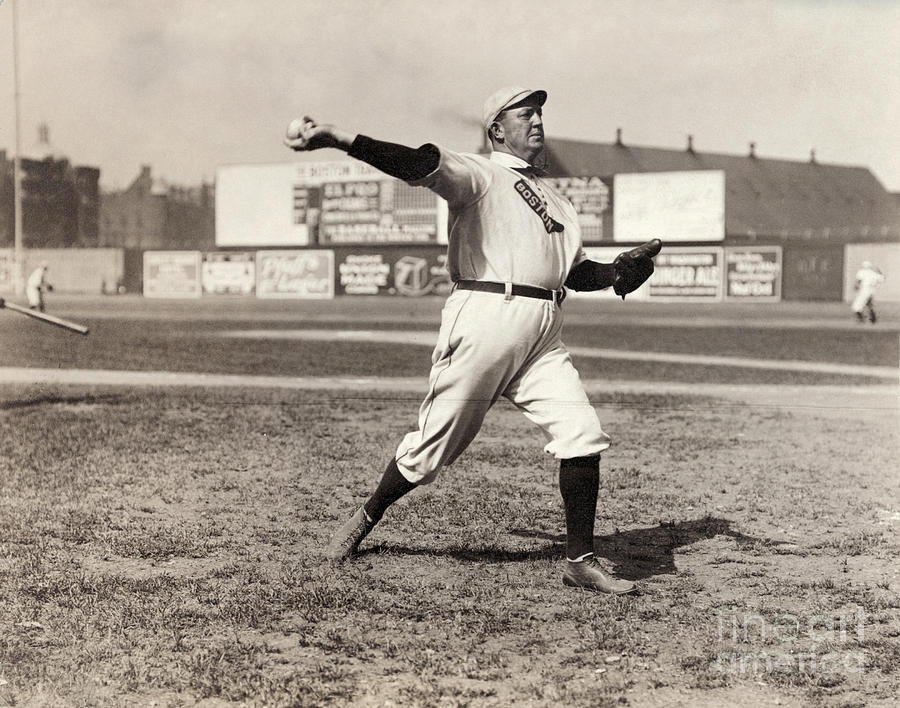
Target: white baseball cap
x=505 y=98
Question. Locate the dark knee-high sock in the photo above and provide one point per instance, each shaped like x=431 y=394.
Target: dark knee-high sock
x=392 y=486
x=579 y=481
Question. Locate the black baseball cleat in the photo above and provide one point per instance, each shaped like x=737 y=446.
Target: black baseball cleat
x=589 y=575
x=349 y=536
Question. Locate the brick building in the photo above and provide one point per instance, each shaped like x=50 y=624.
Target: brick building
x=152 y=214
x=60 y=203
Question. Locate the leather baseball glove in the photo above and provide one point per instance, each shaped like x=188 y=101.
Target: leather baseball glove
x=634 y=267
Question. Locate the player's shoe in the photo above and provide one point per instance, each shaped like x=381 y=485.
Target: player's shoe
x=589 y=575
x=349 y=536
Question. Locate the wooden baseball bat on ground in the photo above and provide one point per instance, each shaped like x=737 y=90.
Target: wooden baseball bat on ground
x=58 y=321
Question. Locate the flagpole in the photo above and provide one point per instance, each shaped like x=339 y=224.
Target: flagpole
x=19 y=252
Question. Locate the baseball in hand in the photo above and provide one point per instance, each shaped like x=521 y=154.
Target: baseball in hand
x=295 y=127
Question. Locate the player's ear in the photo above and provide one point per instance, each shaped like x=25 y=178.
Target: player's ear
x=497 y=132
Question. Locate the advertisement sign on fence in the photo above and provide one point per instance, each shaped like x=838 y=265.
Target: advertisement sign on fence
x=229 y=273
x=753 y=273
x=390 y=271
x=172 y=274
x=684 y=273
x=363 y=274
x=421 y=274
x=813 y=272
x=295 y=274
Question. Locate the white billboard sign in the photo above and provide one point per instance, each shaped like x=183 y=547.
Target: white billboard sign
x=673 y=206
x=172 y=274
x=295 y=274
x=228 y=273
x=322 y=203
x=753 y=273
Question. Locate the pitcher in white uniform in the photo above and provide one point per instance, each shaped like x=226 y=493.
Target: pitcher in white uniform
x=514 y=245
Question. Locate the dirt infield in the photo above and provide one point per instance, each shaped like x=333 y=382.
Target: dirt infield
x=167 y=491
x=165 y=540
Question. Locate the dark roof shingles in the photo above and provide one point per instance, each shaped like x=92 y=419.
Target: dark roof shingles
x=762 y=195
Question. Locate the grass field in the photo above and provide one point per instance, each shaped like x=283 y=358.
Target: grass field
x=160 y=543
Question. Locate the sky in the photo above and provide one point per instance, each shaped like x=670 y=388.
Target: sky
x=185 y=86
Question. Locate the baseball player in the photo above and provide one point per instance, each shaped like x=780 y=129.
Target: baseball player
x=35 y=287
x=514 y=244
x=868 y=278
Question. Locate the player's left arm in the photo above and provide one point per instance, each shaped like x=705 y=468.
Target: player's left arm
x=625 y=274
x=591 y=275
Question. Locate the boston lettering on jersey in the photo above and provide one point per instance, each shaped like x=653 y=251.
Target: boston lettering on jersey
x=537 y=206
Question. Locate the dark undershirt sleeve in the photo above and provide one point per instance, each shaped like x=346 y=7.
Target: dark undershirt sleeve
x=400 y=161
x=591 y=275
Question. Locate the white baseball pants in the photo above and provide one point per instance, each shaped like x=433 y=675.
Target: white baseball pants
x=491 y=346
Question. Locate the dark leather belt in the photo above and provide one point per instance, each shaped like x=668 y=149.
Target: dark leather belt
x=487 y=286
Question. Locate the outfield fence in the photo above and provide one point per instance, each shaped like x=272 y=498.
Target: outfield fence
x=690 y=273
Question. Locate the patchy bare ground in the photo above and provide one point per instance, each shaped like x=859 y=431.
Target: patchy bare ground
x=161 y=544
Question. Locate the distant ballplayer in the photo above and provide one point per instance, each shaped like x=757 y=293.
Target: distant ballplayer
x=867 y=279
x=514 y=246
x=35 y=287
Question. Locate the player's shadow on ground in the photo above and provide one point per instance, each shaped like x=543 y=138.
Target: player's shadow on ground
x=635 y=554
x=641 y=553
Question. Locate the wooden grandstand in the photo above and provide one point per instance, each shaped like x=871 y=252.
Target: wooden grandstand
x=765 y=198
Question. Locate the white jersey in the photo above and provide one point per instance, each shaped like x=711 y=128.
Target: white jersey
x=505 y=226
x=37 y=279
x=867 y=279
x=35 y=286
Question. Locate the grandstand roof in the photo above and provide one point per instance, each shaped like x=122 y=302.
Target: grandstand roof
x=763 y=196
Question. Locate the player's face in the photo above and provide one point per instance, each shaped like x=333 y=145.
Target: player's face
x=523 y=130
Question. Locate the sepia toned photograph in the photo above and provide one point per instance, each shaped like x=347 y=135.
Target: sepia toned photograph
x=450 y=354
